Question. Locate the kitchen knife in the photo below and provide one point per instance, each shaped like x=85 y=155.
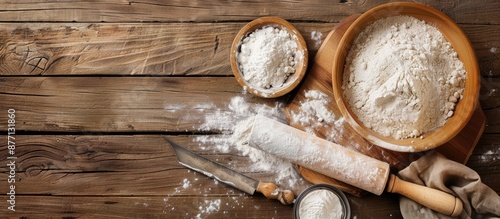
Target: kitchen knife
x=230 y=177
x=343 y=164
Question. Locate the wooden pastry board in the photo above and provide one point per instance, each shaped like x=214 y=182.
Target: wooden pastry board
x=319 y=78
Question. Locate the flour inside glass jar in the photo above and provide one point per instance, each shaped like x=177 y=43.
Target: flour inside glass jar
x=402 y=78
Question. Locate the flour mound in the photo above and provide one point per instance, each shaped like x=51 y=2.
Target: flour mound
x=267 y=57
x=320 y=204
x=402 y=78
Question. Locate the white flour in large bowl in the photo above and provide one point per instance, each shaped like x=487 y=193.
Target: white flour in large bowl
x=402 y=78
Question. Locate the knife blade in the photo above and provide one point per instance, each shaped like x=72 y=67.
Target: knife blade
x=228 y=176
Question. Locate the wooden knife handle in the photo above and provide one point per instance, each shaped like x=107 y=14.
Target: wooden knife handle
x=271 y=191
x=434 y=199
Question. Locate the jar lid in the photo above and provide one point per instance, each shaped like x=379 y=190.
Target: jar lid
x=321 y=201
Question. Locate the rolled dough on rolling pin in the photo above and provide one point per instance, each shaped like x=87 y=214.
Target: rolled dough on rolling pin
x=320 y=155
x=343 y=164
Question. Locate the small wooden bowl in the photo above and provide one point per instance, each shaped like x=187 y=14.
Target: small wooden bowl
x=460 y=43
x=300 y=67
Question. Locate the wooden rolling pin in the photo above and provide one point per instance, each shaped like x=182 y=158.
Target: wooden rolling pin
x=344 y=164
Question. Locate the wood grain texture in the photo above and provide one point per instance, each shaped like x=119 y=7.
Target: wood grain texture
x=97 y=85
x=133 y=104
x=91 y=164
x=159 y=49
x=209 y=11
x=148 y=207
x=123 y=49
x=76 y=175
x=183 y=207
x=108 y=104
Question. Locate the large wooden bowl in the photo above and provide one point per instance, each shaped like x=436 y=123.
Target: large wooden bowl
x=300 y=67
x=453 y=34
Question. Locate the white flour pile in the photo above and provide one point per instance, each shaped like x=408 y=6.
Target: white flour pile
x=314 y=109
x=321 y=204
x=267 y=57
x=236 y=124
x=314 y=113
x=402 y=78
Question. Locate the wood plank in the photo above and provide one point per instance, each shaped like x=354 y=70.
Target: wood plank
x=137 y=176
x=90 y=165
x=208 y=11
x=107 y=104
x=493 y=120
x=159 y=49
x=485 y=160
x=97 y=86
x=147 y=207
x=135 y=104
x=485 y=47
x=124 y=49
x=117 y=176
x=181 y=207
x=490 y=103
x=116 y=165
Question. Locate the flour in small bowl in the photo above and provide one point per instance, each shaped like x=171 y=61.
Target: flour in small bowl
x=267 y=57
x=321 y=204
x=402 y=78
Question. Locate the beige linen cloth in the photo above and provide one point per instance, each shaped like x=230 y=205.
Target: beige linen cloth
x=435 y=171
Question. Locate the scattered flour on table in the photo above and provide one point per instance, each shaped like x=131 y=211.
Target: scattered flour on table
x=491 y=92
x=316 y=37
x=402 y=78
x=173 y=107
x=314 y=109
x=204 y=106
x=415 y=210
x=489 y=85
x=267 y=57
x=235 y=125
x=205 y=207
x=491 y=155
x=186 y=184
x=208 y=207
x=314 y=114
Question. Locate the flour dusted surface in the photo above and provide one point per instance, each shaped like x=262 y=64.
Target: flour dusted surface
x=236 y=124
x=402 y=78
x=267 y=57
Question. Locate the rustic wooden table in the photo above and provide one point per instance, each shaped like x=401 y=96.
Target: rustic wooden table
x=97 y=85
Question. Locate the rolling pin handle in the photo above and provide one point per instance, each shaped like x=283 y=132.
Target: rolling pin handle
x=434 y=199
x=271 y=191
